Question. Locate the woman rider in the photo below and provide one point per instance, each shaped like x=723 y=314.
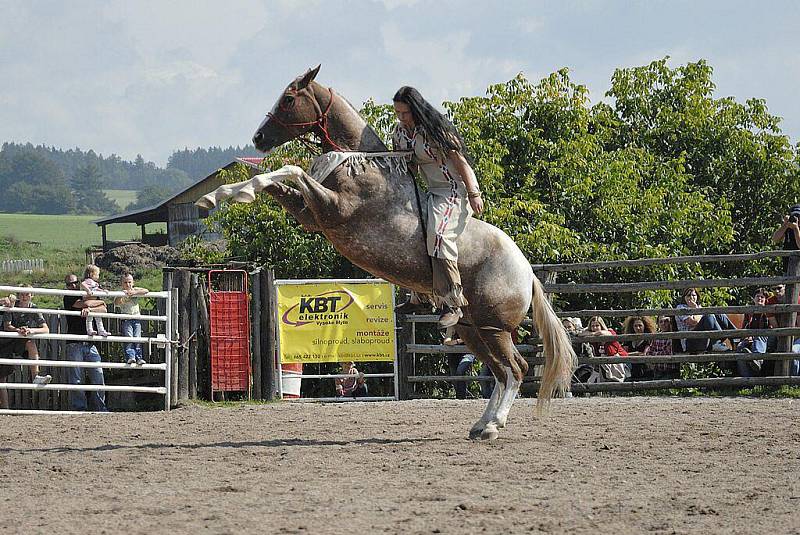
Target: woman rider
x=438 y=153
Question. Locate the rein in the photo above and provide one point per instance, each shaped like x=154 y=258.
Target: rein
x=321 y=122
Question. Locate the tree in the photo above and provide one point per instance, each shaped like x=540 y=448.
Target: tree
x=150 y=196
x=87 y=187
x=663 y=170
x=40 y=198
x=33 y=184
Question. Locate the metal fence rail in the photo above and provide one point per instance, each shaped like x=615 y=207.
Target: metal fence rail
x=161 y=340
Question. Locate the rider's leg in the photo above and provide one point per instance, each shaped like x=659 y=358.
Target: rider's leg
x=448 y=290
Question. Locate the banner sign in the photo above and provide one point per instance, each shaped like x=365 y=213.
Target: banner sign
x=335 y=321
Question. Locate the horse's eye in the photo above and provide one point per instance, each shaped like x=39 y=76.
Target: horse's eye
x=288 y=101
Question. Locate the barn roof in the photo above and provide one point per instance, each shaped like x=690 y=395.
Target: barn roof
x=158 y=213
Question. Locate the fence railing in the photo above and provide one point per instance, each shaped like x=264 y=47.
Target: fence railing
x=786 y=313
x=54 y=344
x=16 y=266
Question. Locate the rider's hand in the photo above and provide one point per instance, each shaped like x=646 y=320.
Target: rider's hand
x=477 y=204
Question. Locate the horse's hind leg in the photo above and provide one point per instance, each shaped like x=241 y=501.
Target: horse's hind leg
x=501 y=346
x=474 y=343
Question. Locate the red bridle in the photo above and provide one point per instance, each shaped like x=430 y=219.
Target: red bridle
x=321 y=122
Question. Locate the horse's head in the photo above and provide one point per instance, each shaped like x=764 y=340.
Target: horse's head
x=295 y=113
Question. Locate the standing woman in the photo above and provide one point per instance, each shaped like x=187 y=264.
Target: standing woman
x=439 y=155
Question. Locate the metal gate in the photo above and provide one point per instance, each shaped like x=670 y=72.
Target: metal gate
x=230 y=331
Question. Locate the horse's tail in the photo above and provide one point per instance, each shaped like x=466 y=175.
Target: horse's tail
x=559 y=358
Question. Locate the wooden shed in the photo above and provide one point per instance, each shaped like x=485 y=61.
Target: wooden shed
x=179 y=212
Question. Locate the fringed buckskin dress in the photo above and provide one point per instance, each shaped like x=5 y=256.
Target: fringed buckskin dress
x=448 y=212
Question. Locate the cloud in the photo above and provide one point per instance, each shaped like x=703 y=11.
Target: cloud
x=443 y=67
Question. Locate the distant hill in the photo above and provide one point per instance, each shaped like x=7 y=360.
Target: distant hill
x=199 y=163
x=50 y=180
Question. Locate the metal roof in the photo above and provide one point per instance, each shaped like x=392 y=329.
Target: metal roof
x=159 y=213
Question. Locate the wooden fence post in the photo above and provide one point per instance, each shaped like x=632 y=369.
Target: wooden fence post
x=789 y=319
x=194 y=336
x=181 y=282
x=255 y=331
x=203 y=346
x=405 y=336
x=269 y=388
x=175 y=350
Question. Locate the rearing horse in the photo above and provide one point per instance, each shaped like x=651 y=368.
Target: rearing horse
x=369 y=214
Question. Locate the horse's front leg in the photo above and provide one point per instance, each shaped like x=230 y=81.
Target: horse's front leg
x=245 y=192
x=293 y=202
x=327 y=205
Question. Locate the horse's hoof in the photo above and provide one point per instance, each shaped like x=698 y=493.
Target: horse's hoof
x=475 y=432
x=490 y=432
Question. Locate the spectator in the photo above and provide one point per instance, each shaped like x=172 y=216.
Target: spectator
x=83 y=351
x=753 y=344
x=663 y=346
x=24 y=324
x=487 y=387
x=611 y=372
x=353 y=386
x=794 y=365
x=698 y=322
x=776 y=297
x=5 y=346
x=638 y=325
x=130 y=327
x=91 y=286
x=789 y=232
x=463 y=368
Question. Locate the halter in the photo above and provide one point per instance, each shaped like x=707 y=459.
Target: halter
x=321 y=122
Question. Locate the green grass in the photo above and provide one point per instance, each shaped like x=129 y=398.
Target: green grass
x=61 y=241
x=123 y=197
x=64 y=232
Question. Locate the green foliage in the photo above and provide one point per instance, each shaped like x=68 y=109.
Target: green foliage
x=87 y=190
x=201 y=251
x=116 y=172
x=199 y=163
x=150 y=196
x=661 y=169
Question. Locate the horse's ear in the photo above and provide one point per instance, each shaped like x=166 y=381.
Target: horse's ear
x=302 y=81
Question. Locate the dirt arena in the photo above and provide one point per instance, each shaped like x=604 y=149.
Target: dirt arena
x=610 y=465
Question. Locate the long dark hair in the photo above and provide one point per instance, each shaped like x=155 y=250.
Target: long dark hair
x=438 y=128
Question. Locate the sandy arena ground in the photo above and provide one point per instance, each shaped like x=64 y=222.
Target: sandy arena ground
x=597 y=465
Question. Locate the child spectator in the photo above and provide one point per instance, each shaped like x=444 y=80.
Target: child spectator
x=91 y=286
x=612 y=372
x=638 y=325
x=130 y=327
x=663 y=346
x=753 y=344
x=353 y=386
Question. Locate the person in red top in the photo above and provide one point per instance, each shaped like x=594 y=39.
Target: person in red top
x=597 y=327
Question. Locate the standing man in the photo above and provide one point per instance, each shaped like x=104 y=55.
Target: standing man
x=83 y=351
x=24 y=324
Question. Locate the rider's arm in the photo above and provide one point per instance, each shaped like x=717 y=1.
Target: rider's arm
x=467 y=174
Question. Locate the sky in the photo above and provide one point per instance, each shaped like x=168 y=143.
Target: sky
x=152 y=76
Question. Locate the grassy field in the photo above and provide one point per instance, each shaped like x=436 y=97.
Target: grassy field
x=123 y=197
x=61 y=241
x=64 y=232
